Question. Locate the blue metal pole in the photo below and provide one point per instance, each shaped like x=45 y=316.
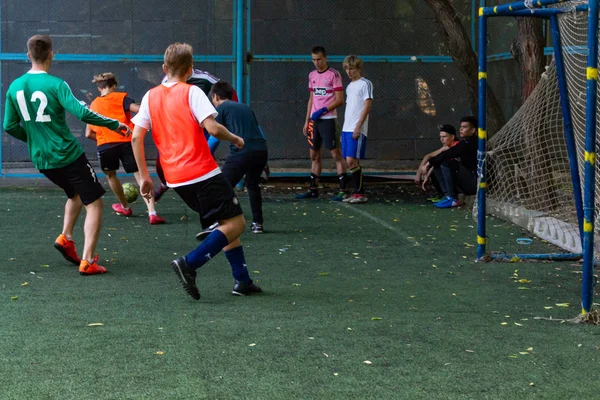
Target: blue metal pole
x=248 y=49
x=482 y=134
x=233 y=43
x=1 y=89
x=239 y=58
x=567 y=120
x=587 y=289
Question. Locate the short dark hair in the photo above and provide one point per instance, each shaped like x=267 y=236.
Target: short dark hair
x=104 y=80
x=39 y=48
x=449 y=129
x=319 y=50
x=471 y=120
x=223 y=90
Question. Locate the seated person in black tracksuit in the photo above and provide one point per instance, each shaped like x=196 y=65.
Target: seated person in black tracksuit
x=456 y=168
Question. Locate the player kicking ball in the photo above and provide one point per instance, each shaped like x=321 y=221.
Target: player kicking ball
x=359 y=99
x=35 y=113
x=177 y=111
x=114 y=149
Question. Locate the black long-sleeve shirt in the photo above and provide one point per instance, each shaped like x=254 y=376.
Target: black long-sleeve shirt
x=465 y=152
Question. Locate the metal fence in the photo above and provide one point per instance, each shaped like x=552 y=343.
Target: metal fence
x=263 y=47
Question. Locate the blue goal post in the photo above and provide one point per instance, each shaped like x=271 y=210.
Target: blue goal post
x=585 y=207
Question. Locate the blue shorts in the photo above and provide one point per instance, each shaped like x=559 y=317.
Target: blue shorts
x=353 y=148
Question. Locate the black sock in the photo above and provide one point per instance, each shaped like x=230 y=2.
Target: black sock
x=314 y=182
x=357 y=178
x=342 y=179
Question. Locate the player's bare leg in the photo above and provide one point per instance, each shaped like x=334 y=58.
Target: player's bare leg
x=317 y=162
x=64 y=242
x=153 y=216
x=91 y=228
x=72 y=210
x=117 y=187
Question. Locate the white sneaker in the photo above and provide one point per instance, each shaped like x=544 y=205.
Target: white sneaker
x=359 y=199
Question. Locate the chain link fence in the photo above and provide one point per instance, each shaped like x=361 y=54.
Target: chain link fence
x=412 y=94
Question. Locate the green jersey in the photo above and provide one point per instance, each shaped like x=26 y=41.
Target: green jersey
x=35 y=113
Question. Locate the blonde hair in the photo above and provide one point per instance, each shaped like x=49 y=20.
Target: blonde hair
x=178 y=59
x=105 y=79
x=353 y=61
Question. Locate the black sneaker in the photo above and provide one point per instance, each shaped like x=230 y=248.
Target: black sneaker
x=160 y=191
x=203 y=234
x=245 y=289
x=256 y=228
x=187 y=277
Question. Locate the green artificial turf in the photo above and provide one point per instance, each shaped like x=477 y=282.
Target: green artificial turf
x=374 y=301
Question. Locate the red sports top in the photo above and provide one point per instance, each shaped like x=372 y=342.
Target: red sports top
x=111 y=105
x=184 y=152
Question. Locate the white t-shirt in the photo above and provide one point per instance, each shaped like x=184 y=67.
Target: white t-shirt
x=201 y=107
x=356 y=93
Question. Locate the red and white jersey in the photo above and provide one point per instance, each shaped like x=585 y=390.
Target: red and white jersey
x=323 y=86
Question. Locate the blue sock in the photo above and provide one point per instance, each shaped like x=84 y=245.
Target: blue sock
x=210 y=247
x=238 y=264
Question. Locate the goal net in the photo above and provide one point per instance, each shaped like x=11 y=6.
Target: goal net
x=528 y=173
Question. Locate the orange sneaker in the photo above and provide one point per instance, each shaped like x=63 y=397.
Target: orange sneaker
x=87 y=268
x=118 y=208
x=67 y=249
x=156 y=220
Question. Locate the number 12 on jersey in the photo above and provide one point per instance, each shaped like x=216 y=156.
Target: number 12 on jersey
x=37 y=95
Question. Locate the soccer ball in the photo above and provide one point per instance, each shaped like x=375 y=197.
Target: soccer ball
x=131 y=192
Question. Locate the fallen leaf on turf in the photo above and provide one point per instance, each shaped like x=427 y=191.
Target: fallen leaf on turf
x=349 y=329
x=375 y=319
x=513 y=356
x=311 y=338
x=517 y=324
x=367 y=362
x=335 y=374
x=531 y=384
x=469 y=351
x=252 y=345
x=256 y=272
x=45 y=266
x=452 y=229
x=504 y=323
x=14 y=298
x=123 y=238
x=523 y=288
x=524 y=353
x=112 y=229
x=296 y=284
x=524 y=281
x=25 y=284
x=326 y=355
x=413 y=296
x=160 y=353
x=530 y=349
x=96 y=324
x=323 y=273
x=12 y=259
x=548 y=308
x=563 y=304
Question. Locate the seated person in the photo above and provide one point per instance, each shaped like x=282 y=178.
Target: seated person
x=456 y=167
x=448 y=139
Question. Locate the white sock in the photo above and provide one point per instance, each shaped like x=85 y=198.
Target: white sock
x=152 y=213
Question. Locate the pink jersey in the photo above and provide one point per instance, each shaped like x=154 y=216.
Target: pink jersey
x=323 y=86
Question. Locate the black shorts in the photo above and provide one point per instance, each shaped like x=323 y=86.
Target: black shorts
x=77 y=178
x=109 y=158
x=323 y=134
x=213 y=199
